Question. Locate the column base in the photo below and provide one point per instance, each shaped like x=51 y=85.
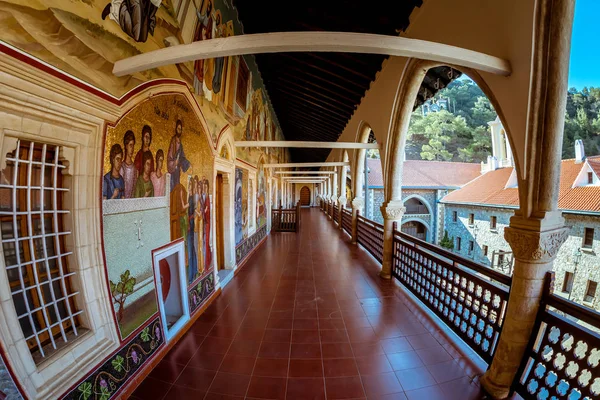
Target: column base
x=385 y=275
x=495 y=391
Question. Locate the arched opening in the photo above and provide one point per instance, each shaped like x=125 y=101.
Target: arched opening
x=305 y=196
x=369 y=177
x=415 y=206
x=416 y=229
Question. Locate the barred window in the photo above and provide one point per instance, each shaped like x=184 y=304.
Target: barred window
x=33 y=242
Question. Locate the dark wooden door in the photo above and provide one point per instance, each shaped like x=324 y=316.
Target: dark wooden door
x=305 y=196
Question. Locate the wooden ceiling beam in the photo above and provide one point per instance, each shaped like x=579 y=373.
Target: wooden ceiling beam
x=337 y=65
x=315 y=101
x=322 y=111
x=292 y=79
x=325 y=71
x=278 y=42
x=304 y=89
x=311 y=164
x=316 y=122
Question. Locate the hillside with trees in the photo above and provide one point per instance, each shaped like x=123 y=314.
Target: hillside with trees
x=461 y=133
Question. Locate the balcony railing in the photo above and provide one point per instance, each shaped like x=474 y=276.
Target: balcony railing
x=347 y=221
x=286 y=219
x=562 y=360
x=335 y=213
x=469 y=297
x=370 y=236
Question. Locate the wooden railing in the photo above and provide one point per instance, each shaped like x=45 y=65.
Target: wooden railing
x=347 y=221
x=562 y=360
x=370 y=236
x=335 y=213
x=469 y=297
x=286 y=219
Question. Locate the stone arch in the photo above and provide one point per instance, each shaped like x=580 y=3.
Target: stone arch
x=421 y=199
x=358 y=171
x=412 y=77
x=425 y=224
x=226 y=141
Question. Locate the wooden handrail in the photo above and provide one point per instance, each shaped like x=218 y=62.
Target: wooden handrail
x=456 y=259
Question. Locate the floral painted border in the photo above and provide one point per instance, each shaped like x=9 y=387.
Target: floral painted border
x=246 y=246
x=199 y=293
x=111 y=376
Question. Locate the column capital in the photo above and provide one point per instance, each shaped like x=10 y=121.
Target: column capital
x=535 y=247
x=358 y=203
x=393 y=210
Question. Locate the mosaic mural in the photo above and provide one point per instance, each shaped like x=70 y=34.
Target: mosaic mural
x=105 y=382
x=247 y=245
x=241 y=205
x=158 y=172
x=86 y=37
x=261 y=195
x=201 y=292
x=8 y=388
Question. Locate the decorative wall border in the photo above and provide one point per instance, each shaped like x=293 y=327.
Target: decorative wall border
x=202 y=291
x=9 y=385
x=246 y=246
x=106 y=381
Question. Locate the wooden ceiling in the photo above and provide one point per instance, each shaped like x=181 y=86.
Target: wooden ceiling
x=315 y=94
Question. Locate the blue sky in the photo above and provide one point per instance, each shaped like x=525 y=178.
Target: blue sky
x=585 y=48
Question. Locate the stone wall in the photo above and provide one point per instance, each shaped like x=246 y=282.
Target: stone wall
x=588 y=267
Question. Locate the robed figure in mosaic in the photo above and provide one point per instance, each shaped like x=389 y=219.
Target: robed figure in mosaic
x=137 y=18
x=176 y=160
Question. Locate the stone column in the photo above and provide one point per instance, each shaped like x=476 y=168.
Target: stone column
x=392 y=211
x=534 y=249
x=357 y=204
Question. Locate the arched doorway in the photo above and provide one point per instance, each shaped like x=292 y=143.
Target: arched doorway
x=305 y=196
x=415 y=228
x=415 y=206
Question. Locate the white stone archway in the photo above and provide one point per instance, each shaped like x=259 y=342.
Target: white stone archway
x=425 y=224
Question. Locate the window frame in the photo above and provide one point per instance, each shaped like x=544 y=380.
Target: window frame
x=587 y=291
x=70 y=363
x=471 y=249
x=454 y=216
x=590 y=178
x=567 y=286
x=485 y=250
x=584 y=242
x=458 y=243
x=493 y=223
x=471 y=219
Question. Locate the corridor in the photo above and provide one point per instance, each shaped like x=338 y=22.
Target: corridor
x=308 y=318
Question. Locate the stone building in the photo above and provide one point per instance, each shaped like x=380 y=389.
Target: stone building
x=424 y=183
x=477 y=214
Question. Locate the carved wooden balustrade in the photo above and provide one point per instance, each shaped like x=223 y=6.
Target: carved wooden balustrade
x=347 y=221
x=286 y=219
x=335 y=213
x=370 y=236
x=469 y=297
x=563 y=357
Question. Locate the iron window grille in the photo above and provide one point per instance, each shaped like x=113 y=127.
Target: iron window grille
x=33 y=240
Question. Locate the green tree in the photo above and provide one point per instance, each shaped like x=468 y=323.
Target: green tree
x=121 y=290
x=446 y=242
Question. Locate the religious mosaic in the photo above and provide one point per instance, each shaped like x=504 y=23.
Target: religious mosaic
x=158 y=172
x=201 y=292
x=261 y=195
x=105 y=382
x=247 y=245
x=86 y=37
x=241 y=205
x=8 y=387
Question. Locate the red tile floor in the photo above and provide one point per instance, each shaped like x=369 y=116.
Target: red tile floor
x=309 y=318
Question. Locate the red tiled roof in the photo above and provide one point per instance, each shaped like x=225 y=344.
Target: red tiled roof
x=489 y=189
x=428 y=173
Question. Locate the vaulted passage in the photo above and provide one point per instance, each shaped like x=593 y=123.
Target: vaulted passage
x=309 y=318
